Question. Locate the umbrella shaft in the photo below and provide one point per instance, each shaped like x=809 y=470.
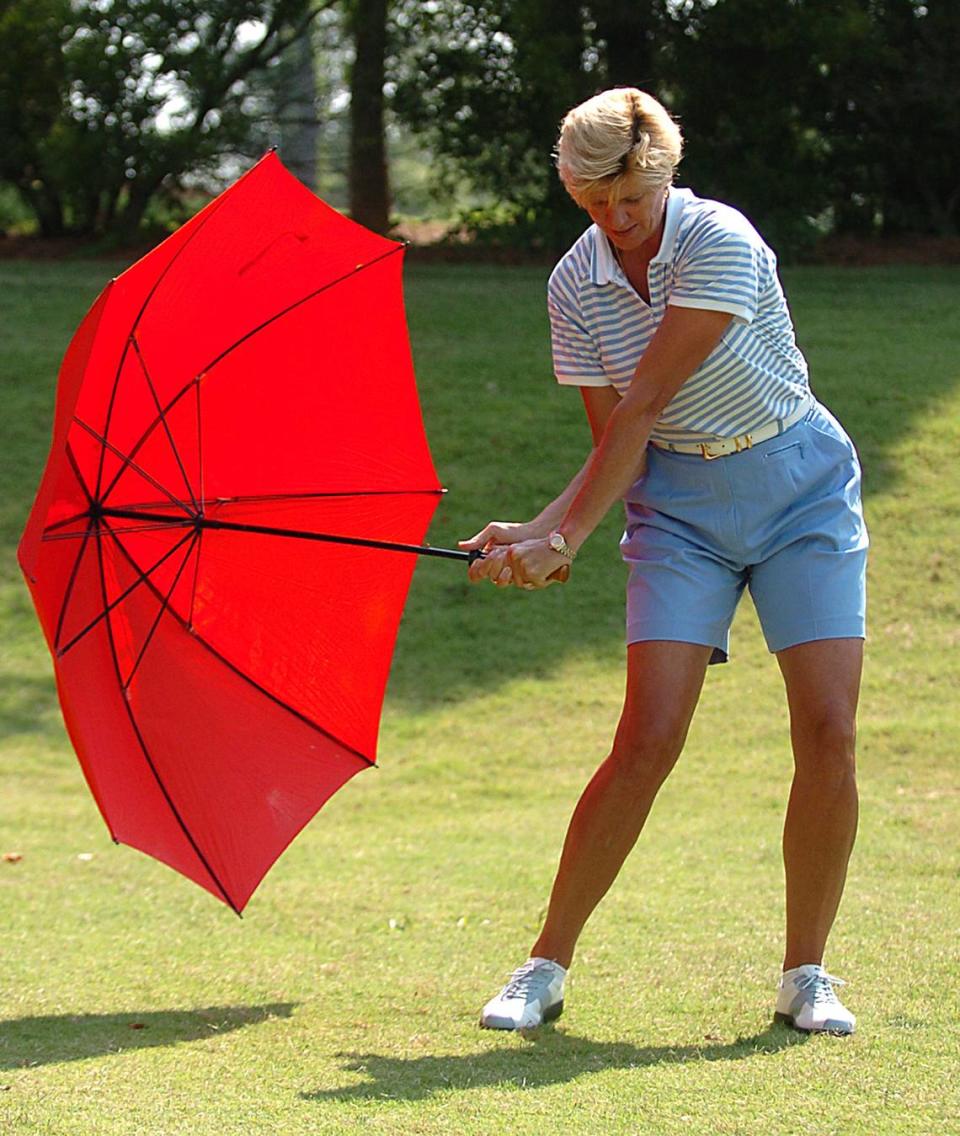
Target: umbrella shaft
x=200 y=523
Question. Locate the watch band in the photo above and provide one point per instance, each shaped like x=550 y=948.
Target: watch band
x=558 y=542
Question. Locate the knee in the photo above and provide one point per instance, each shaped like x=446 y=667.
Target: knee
x=642 y=759
x=825 y=746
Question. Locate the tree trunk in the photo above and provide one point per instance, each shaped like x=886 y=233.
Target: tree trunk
x=140 y=192
x=368 y=179
x=46 y=204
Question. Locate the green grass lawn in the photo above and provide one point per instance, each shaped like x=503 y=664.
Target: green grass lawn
x=346 y=1000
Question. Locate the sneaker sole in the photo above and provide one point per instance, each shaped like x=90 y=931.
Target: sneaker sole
x=787 y=1020
x=550 y=1014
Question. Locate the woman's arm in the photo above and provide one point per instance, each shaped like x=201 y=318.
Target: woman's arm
x=685 y=338
x=599 y=403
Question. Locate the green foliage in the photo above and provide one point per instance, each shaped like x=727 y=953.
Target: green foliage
x=895 y=117
x=487 y=85
x=752 y=102
x=810 y=115
x=107 y=101
x=15 y=215
x=813 y=116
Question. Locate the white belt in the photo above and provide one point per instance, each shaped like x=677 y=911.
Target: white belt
x=718 y=447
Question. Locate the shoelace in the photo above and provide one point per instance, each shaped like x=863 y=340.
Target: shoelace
x=821 y=985
x=520 y=981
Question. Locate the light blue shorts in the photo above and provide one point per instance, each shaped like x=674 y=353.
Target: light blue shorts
x=783 y=518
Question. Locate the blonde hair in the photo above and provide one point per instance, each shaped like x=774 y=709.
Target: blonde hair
x=619 y=132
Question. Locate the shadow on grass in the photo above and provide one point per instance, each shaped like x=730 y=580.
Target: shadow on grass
x=49 y=1040
x=551 y=1058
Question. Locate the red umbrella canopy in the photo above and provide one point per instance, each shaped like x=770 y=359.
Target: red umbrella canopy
x=244 y=387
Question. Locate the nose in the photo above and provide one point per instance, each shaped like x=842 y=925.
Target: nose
x=620 y=217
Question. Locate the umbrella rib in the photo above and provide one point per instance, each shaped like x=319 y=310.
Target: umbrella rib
x=196 y=579
x=278 y=701
x=253 y=498
x=74 y=465
x=127 y=459
x=166 y=424
x=205 y=370
x=298 y=303
x=68 y=592
x=51 y=531
x=199 y=438
x=188 y=627
x=164 y=603
x=146 y=752
x=127 y=529
x=110 y=406
x=142 y=578
x=71 y=458
x=129 y=463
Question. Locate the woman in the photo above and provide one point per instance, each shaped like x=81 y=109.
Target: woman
x=668 y=315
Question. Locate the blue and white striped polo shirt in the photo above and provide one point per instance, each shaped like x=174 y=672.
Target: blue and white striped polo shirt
x=710 y=257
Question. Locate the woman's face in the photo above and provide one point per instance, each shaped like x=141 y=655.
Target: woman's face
x=634 y=219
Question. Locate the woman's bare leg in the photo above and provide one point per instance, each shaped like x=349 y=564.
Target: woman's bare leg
x=663 y=684
x=823 y=684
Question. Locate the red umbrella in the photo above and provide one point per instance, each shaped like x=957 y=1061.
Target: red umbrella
x=238 y=459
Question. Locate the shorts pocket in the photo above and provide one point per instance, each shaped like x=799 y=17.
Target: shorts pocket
x=792 y=450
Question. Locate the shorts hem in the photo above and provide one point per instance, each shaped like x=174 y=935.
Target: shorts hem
x=823 y=629
x=645 y=633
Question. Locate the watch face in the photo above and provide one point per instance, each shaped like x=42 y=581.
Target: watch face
x=556 y=541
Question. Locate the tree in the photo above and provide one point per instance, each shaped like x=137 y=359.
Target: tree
x=486 y=84
x=113 y=99
x=894 y=119
x=752 y=97
x=368 y=181
x=31 y=78
x=633 y=42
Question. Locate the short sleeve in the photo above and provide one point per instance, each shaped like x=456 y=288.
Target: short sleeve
x=720 y=269
x=576 y=359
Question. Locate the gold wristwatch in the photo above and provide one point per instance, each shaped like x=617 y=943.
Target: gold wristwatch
x=558 y=542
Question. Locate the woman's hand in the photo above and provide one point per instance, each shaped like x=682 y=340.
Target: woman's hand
x=534 y=564
x=515 y=553
x=495 y=539
x=502 y=532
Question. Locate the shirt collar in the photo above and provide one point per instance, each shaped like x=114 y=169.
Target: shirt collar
x=604 y=268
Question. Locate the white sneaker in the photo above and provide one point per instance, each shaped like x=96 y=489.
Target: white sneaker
x=533 y=995
x=807 y=1002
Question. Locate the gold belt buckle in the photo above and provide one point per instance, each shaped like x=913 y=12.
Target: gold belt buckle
x=741 y=442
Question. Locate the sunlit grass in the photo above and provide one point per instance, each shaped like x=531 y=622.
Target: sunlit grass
x=347 y=998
